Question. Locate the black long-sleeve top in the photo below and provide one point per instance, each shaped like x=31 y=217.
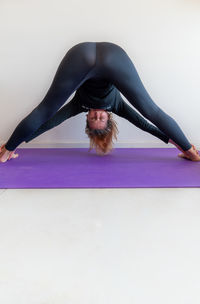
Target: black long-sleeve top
x=98 y=93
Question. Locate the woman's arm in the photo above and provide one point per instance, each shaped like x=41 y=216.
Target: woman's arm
x=72 y=108
x=122 y=109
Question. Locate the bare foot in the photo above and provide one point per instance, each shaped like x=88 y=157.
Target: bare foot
x=191 y=154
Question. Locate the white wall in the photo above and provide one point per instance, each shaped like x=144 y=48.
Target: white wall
x=161 y=37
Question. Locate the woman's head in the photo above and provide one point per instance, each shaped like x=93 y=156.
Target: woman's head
x=101 y=128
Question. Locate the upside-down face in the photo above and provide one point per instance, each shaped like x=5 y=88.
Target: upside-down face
x=97 y=118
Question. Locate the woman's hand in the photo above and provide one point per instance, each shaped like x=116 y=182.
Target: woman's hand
x=6 y=155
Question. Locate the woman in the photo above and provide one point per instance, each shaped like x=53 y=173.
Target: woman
x=98 y=72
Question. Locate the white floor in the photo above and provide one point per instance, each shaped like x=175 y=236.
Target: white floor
x=92 y=246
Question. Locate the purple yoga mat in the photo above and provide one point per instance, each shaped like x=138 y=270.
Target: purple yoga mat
x=79 y=168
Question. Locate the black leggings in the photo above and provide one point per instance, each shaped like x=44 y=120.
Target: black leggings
x=96 y=59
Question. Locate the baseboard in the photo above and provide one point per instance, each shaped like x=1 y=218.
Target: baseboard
x=86 y=145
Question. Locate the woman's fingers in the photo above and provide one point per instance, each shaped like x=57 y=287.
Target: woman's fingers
x=6 y=155
x=13 y=155
x=10 y=155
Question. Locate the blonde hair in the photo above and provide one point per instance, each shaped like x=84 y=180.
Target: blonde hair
x=102 y=139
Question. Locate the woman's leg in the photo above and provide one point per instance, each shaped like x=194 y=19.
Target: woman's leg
x=120 y=70
x=71 y=73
